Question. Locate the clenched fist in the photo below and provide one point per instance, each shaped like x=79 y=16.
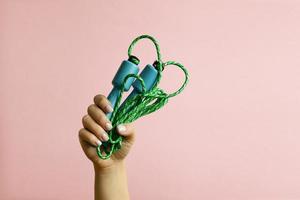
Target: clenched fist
x=94 y=132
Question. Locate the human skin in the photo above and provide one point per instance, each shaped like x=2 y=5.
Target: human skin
x=110 y=174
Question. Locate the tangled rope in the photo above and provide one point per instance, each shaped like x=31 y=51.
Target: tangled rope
x=141 y=104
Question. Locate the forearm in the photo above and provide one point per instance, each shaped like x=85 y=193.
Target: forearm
x=111 y=183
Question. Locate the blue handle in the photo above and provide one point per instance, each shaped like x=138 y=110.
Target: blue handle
x=149 y=75
x=127 y=67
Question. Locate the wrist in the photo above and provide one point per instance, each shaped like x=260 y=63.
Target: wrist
x=111 y=182
x=117 y=166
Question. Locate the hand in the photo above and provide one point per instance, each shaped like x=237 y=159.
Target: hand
x=96 y=125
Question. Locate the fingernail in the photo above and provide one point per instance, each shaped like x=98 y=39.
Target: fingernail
x=108 y=126
x=98 y=142
x=105 y=137
x=121 y=128
x=109 y=109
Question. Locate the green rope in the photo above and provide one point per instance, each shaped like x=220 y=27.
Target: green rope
x=141 y=104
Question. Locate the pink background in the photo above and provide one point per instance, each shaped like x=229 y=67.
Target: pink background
x=233 y=134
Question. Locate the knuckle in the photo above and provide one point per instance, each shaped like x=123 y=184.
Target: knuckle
x=130 y=127
x=80 y=132
x=90 y=108
x=133 y=129
x=99 y=99
x=96 y=97
x=103 y=121
x=131 y=133
x=99 y=117
x=85 y=119
x=98 y=133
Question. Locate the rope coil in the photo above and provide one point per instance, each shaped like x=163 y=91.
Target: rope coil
x=142 y=104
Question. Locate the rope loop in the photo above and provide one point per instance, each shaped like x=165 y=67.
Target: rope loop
x=152 y=39
x=186 y=75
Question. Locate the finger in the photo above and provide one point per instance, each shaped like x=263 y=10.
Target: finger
x=126 y=130
x=102 y=102
x=99 y=116
x=89 y=123
x=89 y=137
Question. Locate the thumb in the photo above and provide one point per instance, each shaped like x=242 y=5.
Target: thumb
x=127 y=131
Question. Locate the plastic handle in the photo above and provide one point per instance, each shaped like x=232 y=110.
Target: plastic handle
x=125 y=68
x=149 y=75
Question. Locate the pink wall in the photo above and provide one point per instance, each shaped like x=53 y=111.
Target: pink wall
x=233 y=134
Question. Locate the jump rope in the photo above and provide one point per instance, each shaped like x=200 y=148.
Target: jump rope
x=145 y=97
